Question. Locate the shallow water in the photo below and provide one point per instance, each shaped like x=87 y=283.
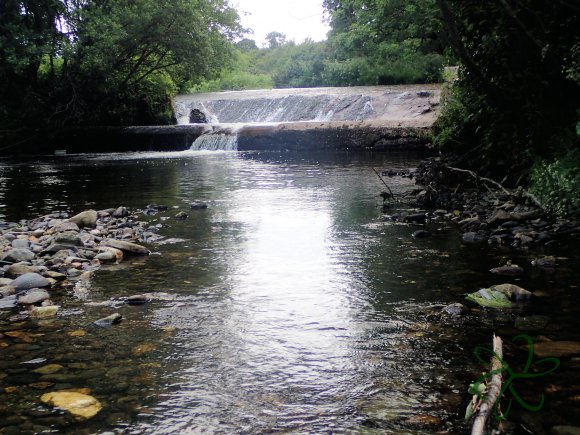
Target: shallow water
x=289 y=305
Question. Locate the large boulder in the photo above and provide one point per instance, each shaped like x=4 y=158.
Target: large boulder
x=87 y=218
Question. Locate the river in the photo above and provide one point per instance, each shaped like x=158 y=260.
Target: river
x=289 y=305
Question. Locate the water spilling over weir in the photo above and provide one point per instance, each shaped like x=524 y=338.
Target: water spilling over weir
x=358 y=117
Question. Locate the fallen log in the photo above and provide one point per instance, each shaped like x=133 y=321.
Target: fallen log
x=491 y=395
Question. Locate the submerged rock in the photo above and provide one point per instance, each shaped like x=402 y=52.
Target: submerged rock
x=421 y=234
x=181 y=216
x=455 y=309
x=507 y=270
x=113 y=319
x=80 y=406
x=198 y=205
x=44 y=312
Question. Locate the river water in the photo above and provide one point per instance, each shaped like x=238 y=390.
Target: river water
x=289 y=305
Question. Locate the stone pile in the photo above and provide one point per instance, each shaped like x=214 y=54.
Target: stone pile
x=38 y=254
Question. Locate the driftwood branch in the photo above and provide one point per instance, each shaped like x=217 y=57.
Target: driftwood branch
x=386 y=185
x=496 y=184
x=492 y=391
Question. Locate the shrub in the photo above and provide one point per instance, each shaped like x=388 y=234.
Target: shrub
x=556 y=183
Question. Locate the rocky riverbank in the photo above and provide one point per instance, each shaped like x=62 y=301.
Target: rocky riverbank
x=485 y=212
x=44 y=255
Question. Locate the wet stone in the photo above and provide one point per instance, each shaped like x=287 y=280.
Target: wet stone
x=113 y=319
x=181 y=216
x=137 y=300
x=33 y=296
x=30 y=280
x=421 y=234
x=198 y=205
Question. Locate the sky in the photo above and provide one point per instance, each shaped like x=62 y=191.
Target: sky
x=297 y=19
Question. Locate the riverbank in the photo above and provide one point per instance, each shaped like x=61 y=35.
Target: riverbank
x=488 y=213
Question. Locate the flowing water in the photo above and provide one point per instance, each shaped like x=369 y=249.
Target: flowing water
x=289 y=305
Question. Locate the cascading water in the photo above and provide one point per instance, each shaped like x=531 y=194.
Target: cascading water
x=216 y=142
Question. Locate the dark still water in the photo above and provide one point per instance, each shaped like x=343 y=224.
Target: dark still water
x=289 y=305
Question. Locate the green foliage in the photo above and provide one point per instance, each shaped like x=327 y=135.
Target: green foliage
x=556 y=183
x=101 y=62
x=518 y=92
x=235 y=81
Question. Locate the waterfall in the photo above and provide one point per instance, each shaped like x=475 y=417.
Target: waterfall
x=216 y=142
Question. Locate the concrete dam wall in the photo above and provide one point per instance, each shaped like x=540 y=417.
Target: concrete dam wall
x=377 y=117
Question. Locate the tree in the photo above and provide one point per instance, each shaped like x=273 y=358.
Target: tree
x=518 y=95
x=385 y=41
x=97 y=61
x=275 y=39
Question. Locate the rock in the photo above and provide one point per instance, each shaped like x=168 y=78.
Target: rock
x=30 y=280
x=181 y=216
x=68 y=238
x=513 y=292
x=421 y=234
x=499 y=217
x=565 y=430
x=87 y=218
x=44 y=312
x=106 y=257
x=20 y=244
x=17 y=255
x=126 y=247
x=415 y=218
x=198 y=205
x=80 y=406
x=34 y=296
x=556 y=348
x=54 y=275
x=548 y=262
x=156 y=207
x=113 y=319
x=473 y=237
x=56 y=247
x=121 y=212
x=507 y=270
x=6 y=291
x=65 y=226
x=48 y=369
x=17 y=269
x=142 y=349
x=532 y=323
x=489 y=298
x=137 y=300
x=455 y=309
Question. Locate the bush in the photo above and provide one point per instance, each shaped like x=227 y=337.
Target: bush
x=236 y=81
x=556 y=183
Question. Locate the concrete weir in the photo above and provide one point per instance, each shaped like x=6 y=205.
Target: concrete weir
x=377 y=117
